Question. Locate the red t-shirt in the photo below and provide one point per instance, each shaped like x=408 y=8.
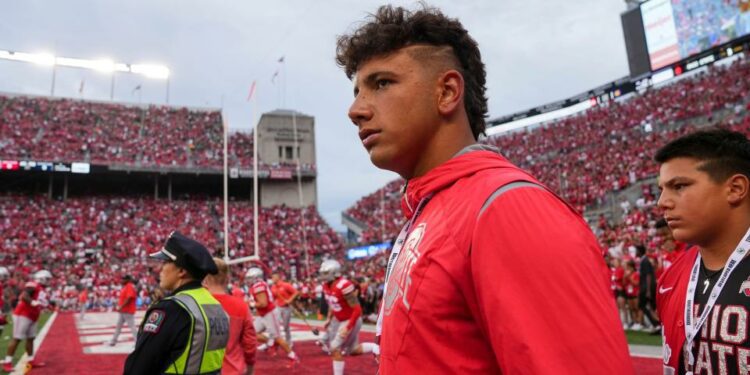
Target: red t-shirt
x=237 y=291
x=633 y=284
x=84 y=296
x=282 y=291
x=262 y=288
x=335 y=292
x=240 y=350
x=24 y=309
x=127 y=291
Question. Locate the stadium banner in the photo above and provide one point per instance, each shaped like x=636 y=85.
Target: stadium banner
x=367 y=250
x=281 y=174
x=9 y=165
x=84 y=168
x=31 y=165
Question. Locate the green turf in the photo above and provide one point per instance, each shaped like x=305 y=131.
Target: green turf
x=642 y=338
x=8 y=332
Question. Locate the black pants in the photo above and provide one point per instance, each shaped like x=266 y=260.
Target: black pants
x=648 y=305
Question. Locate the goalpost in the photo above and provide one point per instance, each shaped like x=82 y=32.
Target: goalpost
x=256 y=251
x=255 y=257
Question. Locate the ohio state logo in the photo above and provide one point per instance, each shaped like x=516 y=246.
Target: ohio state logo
x=400 y=277
x=745 y=287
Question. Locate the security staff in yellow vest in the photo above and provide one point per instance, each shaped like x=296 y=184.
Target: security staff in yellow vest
x=186 y=332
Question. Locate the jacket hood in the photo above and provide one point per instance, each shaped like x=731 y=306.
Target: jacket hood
x=467 y=162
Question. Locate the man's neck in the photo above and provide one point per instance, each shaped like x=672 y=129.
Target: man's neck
x=442 y=147
x=716 y=254
x=216 y=289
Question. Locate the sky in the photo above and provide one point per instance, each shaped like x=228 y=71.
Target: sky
x=535 y=52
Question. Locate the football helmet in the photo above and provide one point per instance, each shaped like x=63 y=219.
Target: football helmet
x=254 y=274
x=43 y=277
x=330 y=269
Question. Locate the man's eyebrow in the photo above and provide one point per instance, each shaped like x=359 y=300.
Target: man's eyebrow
x=673 y=181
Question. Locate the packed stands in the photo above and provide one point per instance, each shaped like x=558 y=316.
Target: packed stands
x=574 y=156
x=38 y=128
x=103 y=238
x=380 y=212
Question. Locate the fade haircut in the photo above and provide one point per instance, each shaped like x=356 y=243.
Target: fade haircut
x=392 y=28
x=723 y=152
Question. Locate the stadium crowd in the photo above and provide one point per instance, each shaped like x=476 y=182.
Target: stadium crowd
x=94 y=241
x=66 y=130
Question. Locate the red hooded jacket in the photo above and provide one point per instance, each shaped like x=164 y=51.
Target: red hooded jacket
x=521 y=288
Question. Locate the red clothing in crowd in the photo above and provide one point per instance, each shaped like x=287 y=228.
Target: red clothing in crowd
x=25 y=309
x=261 y=287
x=521 y=288
x=240 y=350
x=282 y=292
x=633 y=285
x=84 y=296
x=618 y=279
x=127 y=291
x=237 y=291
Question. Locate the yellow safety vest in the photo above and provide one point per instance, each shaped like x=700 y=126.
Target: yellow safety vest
x=209 y=333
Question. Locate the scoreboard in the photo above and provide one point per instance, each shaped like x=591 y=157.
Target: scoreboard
x=663 y=33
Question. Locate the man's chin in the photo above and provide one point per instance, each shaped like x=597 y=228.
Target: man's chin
x=388 y=163
x=684 y=236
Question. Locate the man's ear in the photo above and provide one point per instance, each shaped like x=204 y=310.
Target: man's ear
x=737 y=189
x=184 y=274
x=450 y=92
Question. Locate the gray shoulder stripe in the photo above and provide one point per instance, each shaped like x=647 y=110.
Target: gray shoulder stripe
x=505 y=188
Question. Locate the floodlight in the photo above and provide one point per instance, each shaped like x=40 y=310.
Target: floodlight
x=151 y=71
x=46 y=59
x=106 y=66
x=119 y=67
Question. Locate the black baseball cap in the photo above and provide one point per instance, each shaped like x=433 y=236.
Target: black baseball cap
x=187 y=253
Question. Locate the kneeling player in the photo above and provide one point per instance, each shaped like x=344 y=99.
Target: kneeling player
x=344 y=316
x=267 y=326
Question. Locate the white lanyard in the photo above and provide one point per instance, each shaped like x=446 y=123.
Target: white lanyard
x=692 y=328
x=394 y=255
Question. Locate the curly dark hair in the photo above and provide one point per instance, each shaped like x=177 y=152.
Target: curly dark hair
x=392 y=28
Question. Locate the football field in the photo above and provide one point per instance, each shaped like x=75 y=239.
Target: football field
x=70 y=345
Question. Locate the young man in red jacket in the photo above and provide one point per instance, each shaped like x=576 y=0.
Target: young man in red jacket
x=493 y=273
x=705 y=181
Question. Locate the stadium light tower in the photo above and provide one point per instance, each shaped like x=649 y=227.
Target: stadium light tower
x=152 y=71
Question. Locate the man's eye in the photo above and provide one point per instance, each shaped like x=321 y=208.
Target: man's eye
x=382 y=83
